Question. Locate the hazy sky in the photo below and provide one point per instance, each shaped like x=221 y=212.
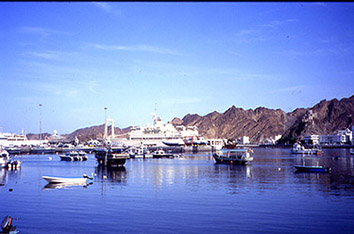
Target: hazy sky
x=176 y=58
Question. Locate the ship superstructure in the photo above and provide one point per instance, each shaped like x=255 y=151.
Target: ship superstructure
x=159 y=132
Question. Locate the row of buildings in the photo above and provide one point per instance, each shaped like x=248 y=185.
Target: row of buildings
x=342 y=137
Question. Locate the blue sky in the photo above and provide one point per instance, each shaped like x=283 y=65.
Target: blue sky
x=176 y=58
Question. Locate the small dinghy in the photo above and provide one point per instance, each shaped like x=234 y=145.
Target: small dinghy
x=64 y=179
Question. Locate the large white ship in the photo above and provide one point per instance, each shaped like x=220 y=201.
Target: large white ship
x=159 y=134
x=16 y=140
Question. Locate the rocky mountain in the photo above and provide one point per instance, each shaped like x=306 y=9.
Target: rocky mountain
x=326 y=117
x=260 y=124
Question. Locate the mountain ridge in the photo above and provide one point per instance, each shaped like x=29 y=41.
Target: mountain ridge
x=259 y=124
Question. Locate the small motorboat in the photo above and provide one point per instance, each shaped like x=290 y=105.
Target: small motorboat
x=74 y=156
x=302 y=168
x=64 y=179
x=161 y=154
x=83 y=155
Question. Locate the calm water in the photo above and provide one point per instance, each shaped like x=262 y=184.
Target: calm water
x=188 y=195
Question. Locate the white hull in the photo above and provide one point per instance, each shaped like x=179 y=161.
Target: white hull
x=71 y=180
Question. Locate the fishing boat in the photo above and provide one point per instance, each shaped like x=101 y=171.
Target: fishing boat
x=4 y=158
x=302 y=168
x=112 y=157
x=65 y=179
x=160 y=153
x=233 y=156
x=299 y=149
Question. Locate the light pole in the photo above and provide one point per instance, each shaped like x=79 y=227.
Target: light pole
x=40 y=123
x=105 y=113
x=105 y=124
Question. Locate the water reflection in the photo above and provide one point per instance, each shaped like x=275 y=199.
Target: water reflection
x=65 y=185
x=116 y=175
x=3 y=176
x=244 y=171
x=339 y=181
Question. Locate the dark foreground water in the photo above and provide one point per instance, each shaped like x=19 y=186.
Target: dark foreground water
x=188 y=195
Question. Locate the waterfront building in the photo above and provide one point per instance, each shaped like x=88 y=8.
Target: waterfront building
x=342 y=137
x=272 y=141
x=347 y=135
x=216 y=143
x=312 y=139
x=243 y=140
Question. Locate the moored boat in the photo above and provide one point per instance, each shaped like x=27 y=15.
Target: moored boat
x=74 y=156
x=113 y=157
x=83 y=155
x=160 y=153
x=139 y=152
x=233 y=156
x=299 y=149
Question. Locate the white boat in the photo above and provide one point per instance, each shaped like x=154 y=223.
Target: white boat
x=233 y=156
x=62 y=179
x=174 y=142
x=299 y=149
x=4 y=158
x=74 y=156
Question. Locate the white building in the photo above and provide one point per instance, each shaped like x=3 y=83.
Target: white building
x=216 y=143
x=342 y=137
x=272 y=141
x=347 y=133
x=243 y=140
x=312 y=139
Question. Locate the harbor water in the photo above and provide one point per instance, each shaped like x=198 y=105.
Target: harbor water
x=191 y=194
